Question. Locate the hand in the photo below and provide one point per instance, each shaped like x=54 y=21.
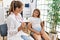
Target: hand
x=23 y=24
x=38 y=33
x=42 y=31
x=29 y=24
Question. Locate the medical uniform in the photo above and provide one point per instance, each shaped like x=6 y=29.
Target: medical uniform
x=13 y=22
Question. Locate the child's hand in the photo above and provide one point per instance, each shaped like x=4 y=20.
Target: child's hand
x=23 y=25
x=42 y=31
x=38 y=33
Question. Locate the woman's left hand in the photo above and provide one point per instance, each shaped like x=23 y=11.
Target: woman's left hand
x=22 y=26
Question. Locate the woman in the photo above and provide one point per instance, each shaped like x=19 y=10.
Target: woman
x=36 y=26
x=15 y=22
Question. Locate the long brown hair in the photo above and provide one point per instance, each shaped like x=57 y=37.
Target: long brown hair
x=14 y=5
x=37 y=11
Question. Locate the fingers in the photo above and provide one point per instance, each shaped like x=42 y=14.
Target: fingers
x=23 y=24
x=29 y=24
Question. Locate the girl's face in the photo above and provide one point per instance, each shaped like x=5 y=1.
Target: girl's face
x=36 y=13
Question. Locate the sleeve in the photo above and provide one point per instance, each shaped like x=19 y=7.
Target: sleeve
x=12 y=26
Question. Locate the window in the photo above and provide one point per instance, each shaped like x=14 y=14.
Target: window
x=43 y=6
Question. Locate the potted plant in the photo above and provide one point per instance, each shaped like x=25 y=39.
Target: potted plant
x=54 y=15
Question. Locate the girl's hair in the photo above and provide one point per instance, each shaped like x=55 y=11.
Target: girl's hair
x=14 y=5
x=37 y=11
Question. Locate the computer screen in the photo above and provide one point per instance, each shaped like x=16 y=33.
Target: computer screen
x=27 y=5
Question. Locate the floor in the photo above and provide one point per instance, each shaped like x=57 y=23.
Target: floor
x=5 y=38
x=1 y=38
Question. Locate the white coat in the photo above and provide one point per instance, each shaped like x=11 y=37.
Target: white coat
x=13 y=22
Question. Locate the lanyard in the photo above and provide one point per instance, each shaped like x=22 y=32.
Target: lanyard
x=19 y=19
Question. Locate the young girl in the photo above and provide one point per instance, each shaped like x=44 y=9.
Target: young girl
x=36 y=26
x=15 y=23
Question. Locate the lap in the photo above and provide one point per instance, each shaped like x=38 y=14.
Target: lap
x=25 y=35
x=44 y=35
x=37 y=36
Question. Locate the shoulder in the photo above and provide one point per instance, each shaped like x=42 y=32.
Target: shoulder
x=30 y=18
x=20 y=15
x=11 y=17
x=40 y=19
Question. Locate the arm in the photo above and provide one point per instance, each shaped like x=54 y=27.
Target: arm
x=29 y=27
x=12 y=29
x=19 y=28
x=42 y=25
x=22 y=26
x=13 y=26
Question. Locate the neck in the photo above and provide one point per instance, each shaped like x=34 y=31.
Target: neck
x=15 y=13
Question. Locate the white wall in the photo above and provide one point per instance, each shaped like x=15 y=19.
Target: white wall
x=1 y=14
x=27 y=12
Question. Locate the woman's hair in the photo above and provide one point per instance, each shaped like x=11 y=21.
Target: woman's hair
x=14 y=5
x=37 y=11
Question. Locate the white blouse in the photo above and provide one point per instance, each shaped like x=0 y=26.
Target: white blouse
x=35 y=23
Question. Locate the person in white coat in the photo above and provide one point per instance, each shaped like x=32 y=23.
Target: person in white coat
x=15 y=23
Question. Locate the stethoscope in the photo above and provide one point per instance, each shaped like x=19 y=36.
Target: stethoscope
x=20 y=19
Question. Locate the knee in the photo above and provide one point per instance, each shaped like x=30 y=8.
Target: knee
x=47 y=39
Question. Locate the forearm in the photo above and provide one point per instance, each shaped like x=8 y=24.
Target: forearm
x=20 y=28
x=42 y=25
x=34 y=31
x=30 y=28
x=42 y=28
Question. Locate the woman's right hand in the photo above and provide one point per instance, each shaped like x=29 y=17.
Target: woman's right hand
x=22 y=26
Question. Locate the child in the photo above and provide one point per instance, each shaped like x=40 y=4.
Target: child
x=36 y=26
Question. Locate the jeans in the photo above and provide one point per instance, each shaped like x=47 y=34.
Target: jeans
x=25 y=37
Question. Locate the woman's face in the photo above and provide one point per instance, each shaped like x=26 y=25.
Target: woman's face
x=19 y=10
x=36 y=13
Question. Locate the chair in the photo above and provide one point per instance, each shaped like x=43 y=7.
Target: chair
x=58 y=39
x=0 y=30
x=3 y=29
